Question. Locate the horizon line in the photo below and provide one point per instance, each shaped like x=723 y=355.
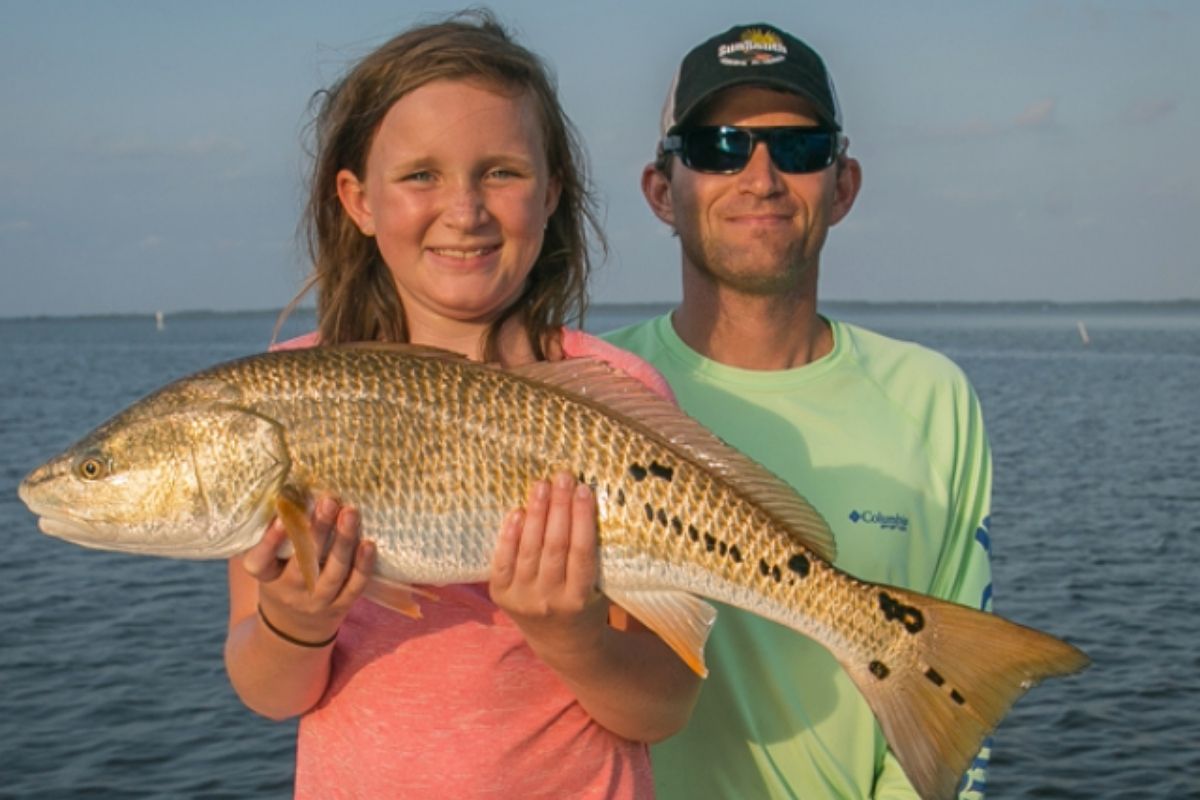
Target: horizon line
x=1028 y=304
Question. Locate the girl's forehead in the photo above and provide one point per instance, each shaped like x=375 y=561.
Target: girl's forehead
x=446 y=95
x=444 y=115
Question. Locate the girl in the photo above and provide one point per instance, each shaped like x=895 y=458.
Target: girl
x=448 y=208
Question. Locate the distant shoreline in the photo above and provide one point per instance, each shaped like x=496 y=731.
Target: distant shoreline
x=1044 y=306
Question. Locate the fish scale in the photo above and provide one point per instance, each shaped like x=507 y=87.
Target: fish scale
x=433 y=450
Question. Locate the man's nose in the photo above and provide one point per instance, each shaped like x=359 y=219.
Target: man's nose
x=760 y=175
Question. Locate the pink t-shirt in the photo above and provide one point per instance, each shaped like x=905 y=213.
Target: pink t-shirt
x=456 y=705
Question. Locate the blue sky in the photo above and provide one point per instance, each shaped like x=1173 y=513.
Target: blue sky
x=151 y=158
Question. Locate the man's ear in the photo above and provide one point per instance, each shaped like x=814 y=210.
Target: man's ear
x=656 y=187
x=353 y=196
x=849 y=181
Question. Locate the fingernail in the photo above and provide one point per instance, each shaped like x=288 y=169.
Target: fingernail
x=326 y=507
x=541 y=490
x=583 y=491
x=563 y=480
x=348 y=519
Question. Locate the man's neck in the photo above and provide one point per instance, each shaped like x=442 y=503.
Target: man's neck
x=755 y=332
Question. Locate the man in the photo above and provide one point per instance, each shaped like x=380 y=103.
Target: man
x=885 y=438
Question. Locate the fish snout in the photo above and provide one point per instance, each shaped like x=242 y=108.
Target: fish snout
x=31 y=489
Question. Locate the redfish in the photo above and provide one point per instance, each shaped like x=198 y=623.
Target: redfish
x=433 y=450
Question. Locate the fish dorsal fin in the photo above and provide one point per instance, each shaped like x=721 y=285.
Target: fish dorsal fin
x=597 y=383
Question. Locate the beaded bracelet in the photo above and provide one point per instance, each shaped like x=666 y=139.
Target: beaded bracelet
x=292 y=639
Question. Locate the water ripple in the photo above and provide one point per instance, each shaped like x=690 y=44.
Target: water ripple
x=111 y=664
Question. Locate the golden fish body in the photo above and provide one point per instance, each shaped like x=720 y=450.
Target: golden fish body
x=434 y=450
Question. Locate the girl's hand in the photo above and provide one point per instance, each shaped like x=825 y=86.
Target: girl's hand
x=345 y=568
x=545 y=570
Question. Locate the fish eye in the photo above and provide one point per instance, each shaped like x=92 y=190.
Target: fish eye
x=92 y=468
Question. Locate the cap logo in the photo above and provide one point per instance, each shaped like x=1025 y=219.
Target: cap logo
x=756 y=47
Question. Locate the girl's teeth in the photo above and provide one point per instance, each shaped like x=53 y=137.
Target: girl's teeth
x=463 y=254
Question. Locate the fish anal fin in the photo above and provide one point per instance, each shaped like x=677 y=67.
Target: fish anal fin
x=681 y=620
x=293 y=514
x=969 y=668
x=397 y=596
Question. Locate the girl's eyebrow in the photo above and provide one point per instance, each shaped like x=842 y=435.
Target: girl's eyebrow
x=403 y=166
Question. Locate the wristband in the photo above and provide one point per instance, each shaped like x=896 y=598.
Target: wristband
x=292 y=639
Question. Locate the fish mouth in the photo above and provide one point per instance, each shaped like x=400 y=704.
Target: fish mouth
x=56 y=522
x=93 y=534
x=28 y=497
x=62 y=527
x=77 y=531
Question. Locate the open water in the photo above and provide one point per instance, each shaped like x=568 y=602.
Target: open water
x=111 y=680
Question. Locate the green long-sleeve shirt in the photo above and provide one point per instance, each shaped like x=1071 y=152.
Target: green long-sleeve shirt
x=886 y=439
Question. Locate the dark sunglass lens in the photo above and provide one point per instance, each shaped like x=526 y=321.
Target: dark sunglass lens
x=799 y=151
x=717 y=149
x=727 y=149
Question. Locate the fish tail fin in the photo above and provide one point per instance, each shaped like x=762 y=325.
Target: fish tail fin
x=969 y=668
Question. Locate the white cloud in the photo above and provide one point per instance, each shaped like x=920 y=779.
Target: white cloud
x=1038 y=115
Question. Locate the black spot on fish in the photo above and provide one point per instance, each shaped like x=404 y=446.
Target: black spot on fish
x=722 y=548
x=649 y=513
x=934 y=676
x=662 y=518
x=638 y=472
x=911 y=618
x=956 y=697
x=710 y=543
x=914 y=620
x=799 y=564
x=581 y=478
x=621 y=497
x=735 y=553
x=659 y=471
x=776 y=574
x=879 y=669
x=764 y=567
x=677 y=525
x=693 y=534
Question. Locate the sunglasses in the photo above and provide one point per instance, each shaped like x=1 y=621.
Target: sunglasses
x=726 y=149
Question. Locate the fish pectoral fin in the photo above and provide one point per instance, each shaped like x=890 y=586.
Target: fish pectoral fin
x=294 y=516
x=681 y=620
x=397 y=596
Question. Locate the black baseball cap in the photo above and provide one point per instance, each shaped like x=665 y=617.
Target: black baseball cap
x=758 y=54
